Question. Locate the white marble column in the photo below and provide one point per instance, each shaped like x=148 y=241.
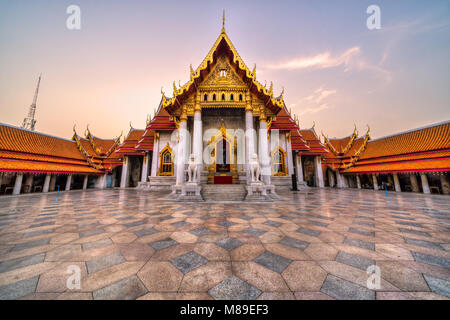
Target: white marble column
x=125 y=174
x=445 y=183
x=397 y=183
x=375 y=182
x=18 y=183
x=52 y=183
x=85 y=182
x=155 y=156
x=298 y=163
x=340 y=180
x=330 y=178
x=290 y=161
x=425 y=186
x=68 y=182
x=263 y=149
x=358 y=181
x=144 y=174
x=113 y=178
x=29 y=181
x=197 y=145
x=181 y=150
x=46 y=183
x=414 y=183
x=319 y=172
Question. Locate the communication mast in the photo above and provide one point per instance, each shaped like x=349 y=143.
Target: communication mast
x=29 y=121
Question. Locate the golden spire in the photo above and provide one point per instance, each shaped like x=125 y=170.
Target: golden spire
x=223 y=21
x=254 y=72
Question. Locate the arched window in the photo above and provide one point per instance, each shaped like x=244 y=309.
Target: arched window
x=223 y=96
x=214 y=97
x=205 y=97
x=240 y=97
x=232 y=97
x=279 y=162
x=166 y=162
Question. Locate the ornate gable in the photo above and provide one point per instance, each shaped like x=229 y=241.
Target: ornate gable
x=222 y=77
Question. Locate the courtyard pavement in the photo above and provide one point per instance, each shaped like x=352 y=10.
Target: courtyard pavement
x=318 y=244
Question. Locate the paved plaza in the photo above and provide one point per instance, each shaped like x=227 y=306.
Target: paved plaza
x=318 y=244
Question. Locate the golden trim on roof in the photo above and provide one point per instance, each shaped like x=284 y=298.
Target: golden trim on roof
x=208 y=60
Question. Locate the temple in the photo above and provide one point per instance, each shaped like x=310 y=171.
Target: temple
x=224 y=125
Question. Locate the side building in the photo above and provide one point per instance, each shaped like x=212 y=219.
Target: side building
x=417 y=160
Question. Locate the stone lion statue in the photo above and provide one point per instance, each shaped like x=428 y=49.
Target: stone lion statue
x=255 y=169
x=192 y=169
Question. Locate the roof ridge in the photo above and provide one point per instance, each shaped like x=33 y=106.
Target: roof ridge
x=413 y=130
x=32 y=131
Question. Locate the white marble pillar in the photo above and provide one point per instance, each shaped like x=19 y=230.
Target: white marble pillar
x=46 y=183
x=125 y=174
x=318 y=172
x=144 y=174
x=29 y=182
x=68 y=182
x=155 y=156
x=197 y=145
x=330 y=178
x=375 y=182
x=445 y=185
x=290 y=160
x=425 y=186
x=181 y=150
x=397 y=183
x=113 y=178
x=340 y=180
x=298 y=163
x=85 y=182
x=414 y=183
x=358 y=181
x=52 y=183
x=18 y=183
x=263 y=149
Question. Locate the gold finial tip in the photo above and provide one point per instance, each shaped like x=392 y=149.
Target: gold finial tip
x=223 y=20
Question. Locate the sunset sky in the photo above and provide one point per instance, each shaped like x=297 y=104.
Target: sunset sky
x=335 y=71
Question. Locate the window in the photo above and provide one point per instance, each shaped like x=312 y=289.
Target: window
x=166 y=163
x=223 y=73
x=223 y=96
x=240 y=97
x=214 y=97
x=205 y=97
x=232 y=97
x=279 y=162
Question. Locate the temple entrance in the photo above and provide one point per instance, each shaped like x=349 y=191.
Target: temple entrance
x=223 y=169
x=223 y=163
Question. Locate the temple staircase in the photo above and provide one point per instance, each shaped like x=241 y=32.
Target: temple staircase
x=223 y=192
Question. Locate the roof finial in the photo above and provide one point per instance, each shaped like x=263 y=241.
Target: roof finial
x=223 y=21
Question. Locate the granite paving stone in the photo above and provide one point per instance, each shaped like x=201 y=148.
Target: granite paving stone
x=344 y=290
x=234 y=288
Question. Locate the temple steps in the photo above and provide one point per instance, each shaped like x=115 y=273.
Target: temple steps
x=223 y=192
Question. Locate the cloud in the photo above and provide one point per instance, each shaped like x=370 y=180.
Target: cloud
x=350 y=59
x=321 y=60
x=314 y=102
x=312 y=110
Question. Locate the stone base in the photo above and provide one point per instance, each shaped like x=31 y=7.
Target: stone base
x=159 y=183
x=257 y=191
x=187 y=192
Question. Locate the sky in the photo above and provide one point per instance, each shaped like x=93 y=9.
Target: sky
x=335 y=71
